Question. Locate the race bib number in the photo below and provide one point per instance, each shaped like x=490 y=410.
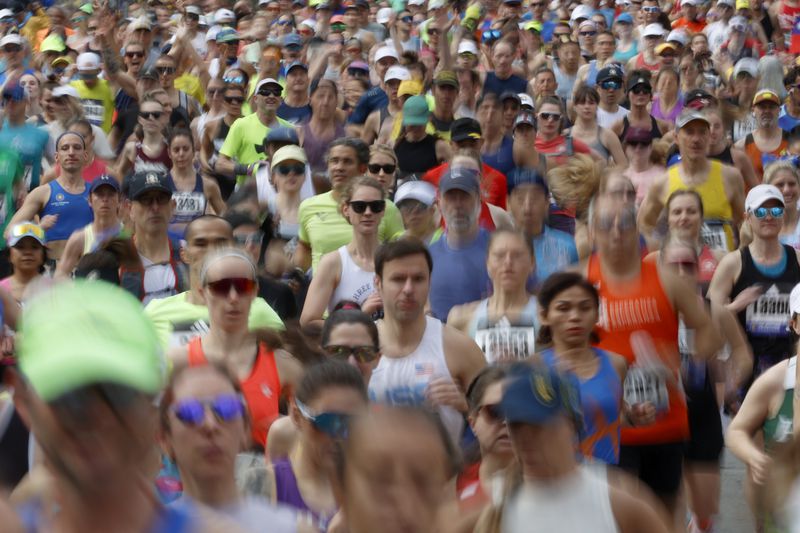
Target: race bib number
x=767 y=316
x=189 y=204
x=94 y=111
x=642 y=386
x=506 y=343
x=714 y=236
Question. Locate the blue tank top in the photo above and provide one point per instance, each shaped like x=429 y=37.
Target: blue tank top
x=189 y=205
x=591 y=76
x=459 y=274
x=601 y=397
x=72 y=209
x=503 y=158
x=287 y=493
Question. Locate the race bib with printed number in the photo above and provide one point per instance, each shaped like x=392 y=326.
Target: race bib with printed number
x=189 y=205
x=506 y=343
x=714 y=235
x=643 y=386
x=767 y=316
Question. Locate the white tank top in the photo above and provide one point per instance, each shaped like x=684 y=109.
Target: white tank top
x=576 y=504
x=355 y=284
x=403 y=380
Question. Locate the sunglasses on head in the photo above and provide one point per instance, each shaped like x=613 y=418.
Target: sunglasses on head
x=362 y=354
x=192 y=411
x=134 y=54
x=222 y=287
x=147 y=115
x=234 y=99
x=335 y=425
x=375 y=168
x=286 y=169
x=360 y=207
x=269 y=92
x=550 y=116
x=611 y=85
x=774 y=212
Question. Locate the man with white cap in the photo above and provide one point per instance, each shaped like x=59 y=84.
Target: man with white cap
x=391 y=82
x=376 y=97
x=95 y=93
x=13 y=47
x=689 y=17
x=468 y=55
x=755 y=281
x=652 y=34
x=768 y=137
x=745 y=80
x=717 y=31
x=720 y=186
x=740 y=41
x=243 y=143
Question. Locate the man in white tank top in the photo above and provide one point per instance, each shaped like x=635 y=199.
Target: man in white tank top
x=424 y=361
x=543 y=411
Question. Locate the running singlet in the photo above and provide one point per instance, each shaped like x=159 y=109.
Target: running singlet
x=92 y=241
x=288 y=493
x=188 y=204
x=355 y=283
x=717 y=229
x=637 y=321
x=403 y=380
x=765 y=320
x=261 y=389
x=779 y=428
x=505 y=340
x=162 y=163
x=756 y=156
x=73 y=211
x=601 y=397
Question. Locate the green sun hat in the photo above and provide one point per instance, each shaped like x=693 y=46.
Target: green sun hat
x=53 y=43
x=87 y=8
x=415 y=111
x=88 y=332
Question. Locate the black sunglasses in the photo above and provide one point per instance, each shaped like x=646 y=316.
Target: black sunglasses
x=550 y=116
x=234 y=99
x=269 y=92
x=360 y=206
x=134 y=54
x=147 y=115
x=374 y=168
x=165 y=70
x=286 y=169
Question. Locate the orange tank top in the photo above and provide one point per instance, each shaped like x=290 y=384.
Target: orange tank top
x=636 y=306
x=262 y=388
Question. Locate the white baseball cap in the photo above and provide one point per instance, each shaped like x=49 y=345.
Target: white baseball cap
x=748 y=65
x=65 y=90
x=435 y=4
x=384 y=52
x=223 y=15
x=654 y=29
x=760 y=194
x=11 y=38
x=467 y=47
x=268 y=81
x=194 y=10
x=88 y=61
x=140 y=23
x=6 y=13
x=396 y=72
x=384 y=15
x=416 y=2
x=418 y=190
x=678 y=36
x=581 y=12
x=525 y=100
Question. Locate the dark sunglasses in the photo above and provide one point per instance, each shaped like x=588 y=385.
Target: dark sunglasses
x=611 y=85
x=587 y=33
x=76 y=403
x=641 y=89
x=287 y=169
x=685 y=265
x=638 y=144
x=433 y=31
x=165 y=70
x=774 y=212
x=134 y=54
x=11 y=48
x=550 y=116
x=147 y=115
x=234 y=99
x=407 y=20
x=192 y=16
x=335 y=425
x=360 y=207
x=269 y=92
x=624 y=221
x=356 y=72
x=362 y=354
x=374 y=168
x=491 y=412
x=222 y=287
x=160 y=199
x=192 y=411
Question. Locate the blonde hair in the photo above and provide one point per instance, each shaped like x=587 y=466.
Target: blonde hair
x=383 y=149
x=575 y=183
x=770 y=173
x=224 y=253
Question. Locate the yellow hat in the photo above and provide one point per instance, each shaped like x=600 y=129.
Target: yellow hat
x=766 y=95
x=665 y=46
x=409 y=87
x=742 y=4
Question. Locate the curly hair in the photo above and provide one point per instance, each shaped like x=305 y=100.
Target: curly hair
x=575 y=183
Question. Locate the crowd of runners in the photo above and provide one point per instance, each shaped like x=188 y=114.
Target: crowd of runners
x=413 y=266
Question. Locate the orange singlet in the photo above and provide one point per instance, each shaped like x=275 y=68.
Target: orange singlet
x=636 y=306
x=262 y=388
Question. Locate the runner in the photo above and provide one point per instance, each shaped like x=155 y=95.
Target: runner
x=28 y=256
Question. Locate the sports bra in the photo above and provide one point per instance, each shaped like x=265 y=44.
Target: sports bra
x=654 y=131
x=261 y=389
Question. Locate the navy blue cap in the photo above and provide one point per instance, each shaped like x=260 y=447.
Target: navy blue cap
x=294 y=64
x=282 y=135
x=538 y=394
x=14 y=91
x=100 y=181
x=461 y=178
x=526 y=176
x=292 y=39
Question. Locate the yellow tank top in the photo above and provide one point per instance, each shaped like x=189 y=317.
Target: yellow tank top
x=716 y=206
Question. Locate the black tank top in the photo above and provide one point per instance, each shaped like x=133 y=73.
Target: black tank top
x=656 y=133
x=725 y=156
x=765 y=321
x=418 y=157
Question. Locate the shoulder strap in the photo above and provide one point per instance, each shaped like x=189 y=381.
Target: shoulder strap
x=570 y=145
x=749 y=139
x=195 y=354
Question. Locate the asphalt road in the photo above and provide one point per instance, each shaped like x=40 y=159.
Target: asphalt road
x=735 y=516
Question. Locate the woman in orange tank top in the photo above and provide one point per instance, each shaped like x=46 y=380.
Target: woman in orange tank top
x=229 y=286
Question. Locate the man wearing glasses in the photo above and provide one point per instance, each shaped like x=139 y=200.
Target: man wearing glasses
x=609 y=85
x=243 y=144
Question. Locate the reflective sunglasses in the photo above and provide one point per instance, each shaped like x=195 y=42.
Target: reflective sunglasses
x=165 y=70
x=387 y=169
x=335 y=425
x=360 y=207
x=491 y=412
x=192 y=411
x=222 y=287
x=611 y=85
x=286 y=169
x=650 y=9
x=134 y=54
x=362 y=354
x=269 y=92
x=774 y=212
x=407 y=20
x=147 y=115
x=624 y=221
x=238 y=80
x=550 y=116
x=234 y=99
x=249 y=238
x=27 y=228
x=491 y=35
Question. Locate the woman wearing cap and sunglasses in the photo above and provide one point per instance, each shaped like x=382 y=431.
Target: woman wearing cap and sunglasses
x=28 y=254
x=229 y=286
x=204 y=424
x=329 y=394
x=348 y=273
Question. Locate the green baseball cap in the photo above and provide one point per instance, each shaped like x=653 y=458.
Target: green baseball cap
x=415 y=111
x=87 y=332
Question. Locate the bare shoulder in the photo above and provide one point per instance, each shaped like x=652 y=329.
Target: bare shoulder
x=460 y=315
x=178 y=356
x=632 y=514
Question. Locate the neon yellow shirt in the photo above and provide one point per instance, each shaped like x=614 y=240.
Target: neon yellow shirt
x=191 y=85
x=177 y=321
x=324 y=228
x=246 y=138
x=98 y=102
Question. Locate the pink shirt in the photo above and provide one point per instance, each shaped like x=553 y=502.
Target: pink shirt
x=642 y=180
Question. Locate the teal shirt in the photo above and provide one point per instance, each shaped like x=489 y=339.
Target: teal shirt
x=30 y=142
x=11 y=171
